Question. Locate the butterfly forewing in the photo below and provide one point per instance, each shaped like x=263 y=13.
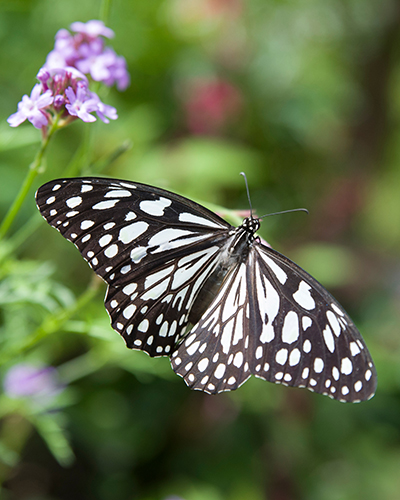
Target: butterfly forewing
x=169 y=262
x=122 y=228
x=155 y=249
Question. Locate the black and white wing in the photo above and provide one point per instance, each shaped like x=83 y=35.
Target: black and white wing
x=273 y=320
x=154 y=249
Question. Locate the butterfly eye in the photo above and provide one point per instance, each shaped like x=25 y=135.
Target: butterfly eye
x=170 y=263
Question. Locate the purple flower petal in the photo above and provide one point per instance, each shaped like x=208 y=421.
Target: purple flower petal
x=31 y=108
x=104 y=110
x=92 y=28
x=81 y=104
x=16 y=119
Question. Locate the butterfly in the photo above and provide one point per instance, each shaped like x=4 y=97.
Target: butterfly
x=183 y=282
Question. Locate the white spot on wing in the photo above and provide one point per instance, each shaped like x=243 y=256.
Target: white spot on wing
x=334 y=323
x=170 y=238
x=328 y=338
x=290 y=329
x=195 y=219
x=129 y=289
x=226 y=336
x=144 y=326
x=105 y=240
x=281 y=356
x=278 y=271
x=358 y=386
x=303 y=296
x=128 y=311
x=354 y=349
x=318 y=365
x=202 y=365
x=193 y=348
x=111 y=251
x=74 y=201
x=155 y=277
x=104 y=205
x=220 y=370
x=305 y=373
x=337 y=309
x=335 y=373
x=155 y=207
x=86 y=224
x=306 y=322
x=346 y=366
x=294 y=357
x=238 y=359
x=268 y=299
x=130 y=216
x=138 y=253
x=118 y=193
x=129 y=233
x=186 y=272
x=156 y=292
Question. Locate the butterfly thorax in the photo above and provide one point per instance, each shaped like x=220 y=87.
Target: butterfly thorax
x=235 y=251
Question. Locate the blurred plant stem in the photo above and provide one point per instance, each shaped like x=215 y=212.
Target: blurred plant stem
x=52 y=323
x=105 y=11
x=35 y=168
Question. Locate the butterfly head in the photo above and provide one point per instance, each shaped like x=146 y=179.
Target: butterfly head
x=251 y=225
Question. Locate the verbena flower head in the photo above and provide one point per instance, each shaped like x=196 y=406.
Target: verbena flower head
x=25 y=380
x=86 y=51
x=63 y=90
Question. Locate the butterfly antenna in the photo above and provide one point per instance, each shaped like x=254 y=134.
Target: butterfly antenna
x=248 y=194
x=285 y=212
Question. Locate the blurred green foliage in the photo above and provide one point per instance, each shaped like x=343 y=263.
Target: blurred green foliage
x=309 y=109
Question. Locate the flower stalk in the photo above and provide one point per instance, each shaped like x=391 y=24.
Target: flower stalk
x=36 y=167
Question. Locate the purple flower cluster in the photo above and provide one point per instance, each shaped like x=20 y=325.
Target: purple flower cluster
x=63 y=90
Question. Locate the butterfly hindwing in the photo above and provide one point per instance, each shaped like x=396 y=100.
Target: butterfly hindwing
x=273 y=320
x=214 y=356
x=153 y=313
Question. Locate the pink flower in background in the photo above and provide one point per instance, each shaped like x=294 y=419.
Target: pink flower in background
x=198 y=11
x=25 y=380
x=210 y=105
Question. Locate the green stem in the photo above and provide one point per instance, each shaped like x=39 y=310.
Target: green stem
x=105 y=11
x=34 y=170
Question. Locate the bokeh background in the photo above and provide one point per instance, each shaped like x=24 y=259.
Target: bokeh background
x=305 y=98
